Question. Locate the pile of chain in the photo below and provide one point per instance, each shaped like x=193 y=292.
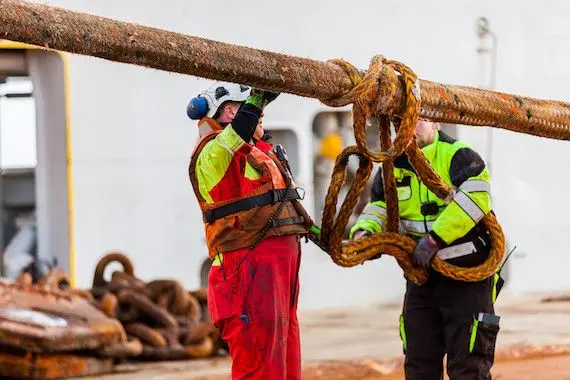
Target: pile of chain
x=170 y=322
x=367 y=97
x=161 y=319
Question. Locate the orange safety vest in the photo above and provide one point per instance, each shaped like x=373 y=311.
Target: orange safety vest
x=236 y=223
x=207 y=125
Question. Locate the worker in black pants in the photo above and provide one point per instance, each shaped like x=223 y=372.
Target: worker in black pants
x=443 y=316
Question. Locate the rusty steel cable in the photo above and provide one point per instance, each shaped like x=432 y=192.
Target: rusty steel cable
x=119 y=41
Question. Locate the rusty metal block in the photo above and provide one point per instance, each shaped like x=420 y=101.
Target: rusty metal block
x=40 y=320
x=51 y=366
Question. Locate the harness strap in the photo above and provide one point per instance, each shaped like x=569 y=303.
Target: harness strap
x=271 y=197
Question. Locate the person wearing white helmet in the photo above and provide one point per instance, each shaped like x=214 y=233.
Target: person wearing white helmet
x=217 y=106
x=253 y=222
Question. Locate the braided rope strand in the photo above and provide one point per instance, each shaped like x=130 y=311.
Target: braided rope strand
x=365 y=99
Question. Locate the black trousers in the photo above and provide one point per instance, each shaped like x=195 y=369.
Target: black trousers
x=438 y=319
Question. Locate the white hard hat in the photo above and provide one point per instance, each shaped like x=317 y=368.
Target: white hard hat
x=219 y=93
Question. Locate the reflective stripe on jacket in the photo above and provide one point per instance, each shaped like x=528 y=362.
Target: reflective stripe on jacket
x=226 y=172
x=459 y=166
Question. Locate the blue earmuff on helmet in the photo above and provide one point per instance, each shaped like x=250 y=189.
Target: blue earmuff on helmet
x=197 y=108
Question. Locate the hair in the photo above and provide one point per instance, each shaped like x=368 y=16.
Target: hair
x=436 y=124
x=222 y=106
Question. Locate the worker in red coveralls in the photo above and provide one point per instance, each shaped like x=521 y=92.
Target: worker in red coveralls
x=253 y=224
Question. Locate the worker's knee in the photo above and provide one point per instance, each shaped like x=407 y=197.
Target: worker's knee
x=471 y=367
x=423 y=367
x=257 y=349
x=243 y=346
x=424 y=351
x=471 y=354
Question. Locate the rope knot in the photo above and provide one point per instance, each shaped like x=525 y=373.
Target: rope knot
x=366 y=84
x=370 y=98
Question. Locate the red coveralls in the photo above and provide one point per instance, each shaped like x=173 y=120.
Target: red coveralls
x=255 y=308
x=252 y=295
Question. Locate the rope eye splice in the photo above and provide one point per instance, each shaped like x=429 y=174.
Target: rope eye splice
x=372 y=97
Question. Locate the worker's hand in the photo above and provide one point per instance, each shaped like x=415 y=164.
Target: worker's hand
x=425 y=251
x=261 y=98
x=360 y=234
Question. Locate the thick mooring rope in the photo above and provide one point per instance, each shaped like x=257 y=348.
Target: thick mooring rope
x=364 y=97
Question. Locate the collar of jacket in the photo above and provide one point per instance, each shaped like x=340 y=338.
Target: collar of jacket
x=265 y=147
x=402 y=161
x=430 y=150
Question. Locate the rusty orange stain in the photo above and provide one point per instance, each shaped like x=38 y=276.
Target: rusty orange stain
x=516 y=109
x=51 y=366
x=504 y=96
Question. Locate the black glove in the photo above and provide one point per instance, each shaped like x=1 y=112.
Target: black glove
x=425 y=251
x=261 y=98
x=266 y=136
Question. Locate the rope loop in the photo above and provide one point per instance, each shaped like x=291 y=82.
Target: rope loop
x=371 y=90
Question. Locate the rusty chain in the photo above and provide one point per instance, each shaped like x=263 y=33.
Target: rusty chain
x=161 y=320
x=170 y=322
